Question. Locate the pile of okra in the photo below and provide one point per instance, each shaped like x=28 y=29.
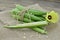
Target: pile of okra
x=33 y=19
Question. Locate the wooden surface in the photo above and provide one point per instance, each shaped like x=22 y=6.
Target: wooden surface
x=27 y=34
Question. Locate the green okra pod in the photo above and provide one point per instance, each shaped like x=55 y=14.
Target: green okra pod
x=39 y=30
x=33 y=11
x=18 y=18
x=35 y=28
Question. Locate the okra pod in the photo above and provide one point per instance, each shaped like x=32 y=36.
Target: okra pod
x=33 y=11
x=35 y=28
x=39 y=30
x=18 y=18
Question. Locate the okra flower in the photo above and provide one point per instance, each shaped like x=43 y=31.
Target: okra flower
x=52 y=17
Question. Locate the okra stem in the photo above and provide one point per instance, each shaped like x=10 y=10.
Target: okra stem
x=29 y=25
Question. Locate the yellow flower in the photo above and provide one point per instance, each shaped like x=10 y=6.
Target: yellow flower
x=52 y=17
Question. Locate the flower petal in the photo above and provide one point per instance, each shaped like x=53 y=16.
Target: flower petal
x=54 y=16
